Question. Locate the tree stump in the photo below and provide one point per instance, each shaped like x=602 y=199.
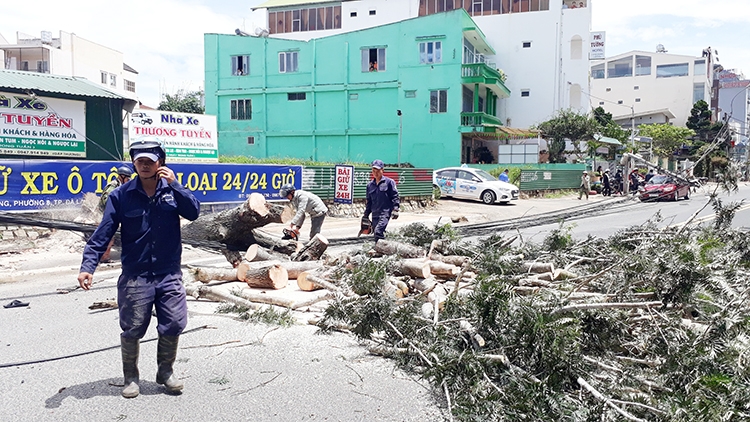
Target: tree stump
x=271 y=276
x=313 y=250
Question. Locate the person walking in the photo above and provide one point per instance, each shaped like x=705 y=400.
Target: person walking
x=304 y=202
x=607 y=190
x=148 y=211
x=585 y=185
x=504 y=176
x=382 y=200
x=123 y=176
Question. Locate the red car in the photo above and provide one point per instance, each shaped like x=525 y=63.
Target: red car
x=664 y=187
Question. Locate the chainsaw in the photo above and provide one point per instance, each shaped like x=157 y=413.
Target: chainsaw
x=290 y=234
x=365 y=227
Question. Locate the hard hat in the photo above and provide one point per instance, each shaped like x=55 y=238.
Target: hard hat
x=148 y=147
x=286 y=190
x=124 y=171
x=585 y=172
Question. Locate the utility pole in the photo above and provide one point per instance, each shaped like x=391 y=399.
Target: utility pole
x=400 y=127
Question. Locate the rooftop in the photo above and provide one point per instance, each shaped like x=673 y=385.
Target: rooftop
x=42 y=82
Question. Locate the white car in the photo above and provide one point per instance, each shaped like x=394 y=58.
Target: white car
x=470 y=183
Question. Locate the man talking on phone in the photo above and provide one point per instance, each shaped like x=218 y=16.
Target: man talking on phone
x=147 y=209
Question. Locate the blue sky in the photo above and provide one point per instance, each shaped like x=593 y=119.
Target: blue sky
x=163 y=39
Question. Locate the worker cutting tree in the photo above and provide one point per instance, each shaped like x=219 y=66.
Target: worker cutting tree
x=304 y=202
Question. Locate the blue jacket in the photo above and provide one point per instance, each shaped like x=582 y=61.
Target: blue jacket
x=151 y=240
x=381 y=197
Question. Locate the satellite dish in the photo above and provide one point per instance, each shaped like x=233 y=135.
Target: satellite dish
x=660 y=48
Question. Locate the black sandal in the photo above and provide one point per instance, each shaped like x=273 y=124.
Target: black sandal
x=16 y=304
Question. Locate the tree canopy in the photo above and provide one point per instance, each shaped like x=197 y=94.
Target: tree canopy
x=666 y=138
x=568 y=124
x=183 y=101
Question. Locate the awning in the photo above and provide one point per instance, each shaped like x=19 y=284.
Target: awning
x=607 y=140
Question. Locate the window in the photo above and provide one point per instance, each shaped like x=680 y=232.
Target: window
x=353 y=97
x=642 y=65
x=251 y=140
x=597 y=72
x=601 y=103
x=700 y=67
x=410 y=94
x=672 y=70
x=42 y=66
x=637 y=100
x=240 y=65
x=620 y=68
x=636 y=88
x=373 y=59
x=525 y=93
x=129 y=85
x=619 y=101
x=439 y=101
x=372 y=13
x=241 y=110
x=608 y=89
x=353 y=14
x=113 y=79
x=105 y=77
x=430 y=52
x=698 y=92
x=287 y=62
x=296 y=96
x=304 y=19
x=527 y=44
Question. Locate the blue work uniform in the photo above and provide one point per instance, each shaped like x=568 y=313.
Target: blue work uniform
x=151 y=254
x=382 y=199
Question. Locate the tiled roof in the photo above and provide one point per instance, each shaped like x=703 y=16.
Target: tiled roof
x=43 y=82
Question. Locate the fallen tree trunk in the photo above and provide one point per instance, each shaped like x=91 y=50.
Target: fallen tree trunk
x=258 y=253
x=413 y=268
x=313 y=250
x=272 y=276
x=206 y=274
x=389 y=247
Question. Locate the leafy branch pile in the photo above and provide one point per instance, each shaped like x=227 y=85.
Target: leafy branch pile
x=649 y=324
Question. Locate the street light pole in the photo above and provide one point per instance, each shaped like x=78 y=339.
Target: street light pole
x=400 y=127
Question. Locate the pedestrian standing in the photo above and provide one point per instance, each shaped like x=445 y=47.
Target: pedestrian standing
x=148 y=211
x=305 y=202
x=607 y=191
x=504 y=176
x=123 y=176
x=382 y=200
x=585 y=185
x=618 y=181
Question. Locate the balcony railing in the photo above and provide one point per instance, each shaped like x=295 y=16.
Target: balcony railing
x=480 y=70
x=478 y=119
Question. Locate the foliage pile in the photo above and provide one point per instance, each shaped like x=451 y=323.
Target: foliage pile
x=564 y=350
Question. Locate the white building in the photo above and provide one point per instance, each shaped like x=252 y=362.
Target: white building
x=541 y=45
x=640 y=87
x=70 y=55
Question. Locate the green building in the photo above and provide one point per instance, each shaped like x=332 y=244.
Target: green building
x=416 y=91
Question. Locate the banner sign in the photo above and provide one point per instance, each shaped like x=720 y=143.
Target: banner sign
x=597 y=45
x=36 y=184
x=344 y=185
x=42 y=126
x=187 y=137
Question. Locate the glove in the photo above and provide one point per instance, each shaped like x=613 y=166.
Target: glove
x=394 y=214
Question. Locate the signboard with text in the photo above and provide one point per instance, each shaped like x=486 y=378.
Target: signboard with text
x=41 y=126
x=344 y=185
x=39 y=184
x=596 y=52
x=187 y=137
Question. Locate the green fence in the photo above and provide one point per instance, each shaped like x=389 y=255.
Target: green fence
x=551 y=178
x=411 y=182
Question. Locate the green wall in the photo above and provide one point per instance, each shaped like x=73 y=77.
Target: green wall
x=348 y=115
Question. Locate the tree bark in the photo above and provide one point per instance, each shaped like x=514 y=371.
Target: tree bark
x=457 y=260
x=294 y=269
x=413 y=268
x=206 y=274
x=314 y=280
x=313 y=250
x=234 y=227
x=258 y=253
x=271 y=276
x=389 y=247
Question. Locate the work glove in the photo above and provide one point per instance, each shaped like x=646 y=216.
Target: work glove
x=394 y=215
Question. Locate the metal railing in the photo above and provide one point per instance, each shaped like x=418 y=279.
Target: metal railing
x=478 y=119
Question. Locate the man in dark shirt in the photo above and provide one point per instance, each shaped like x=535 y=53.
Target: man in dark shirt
x=382 y=200
x=148 y=210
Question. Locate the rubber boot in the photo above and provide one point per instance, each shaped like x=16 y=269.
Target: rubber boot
x=166 y=354
x=130 y=348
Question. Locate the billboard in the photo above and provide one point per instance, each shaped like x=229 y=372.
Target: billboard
x=596 y=51
x=42 y=126
x=39 y=184
x=187 y=137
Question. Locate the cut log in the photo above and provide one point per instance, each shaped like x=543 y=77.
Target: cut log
x=457 y=260
x=313 y=250
x=258 y=253
x=413 y=268
x=294 y=269
x=389 y=247
x=235 y=227
x=286 y=247
x=272 y=276
x=206 y=274
x=441 y=269
x=538 y=267
x=313 y=280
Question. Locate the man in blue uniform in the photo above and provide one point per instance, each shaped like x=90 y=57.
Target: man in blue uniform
x=148 y=210
x=382 y=200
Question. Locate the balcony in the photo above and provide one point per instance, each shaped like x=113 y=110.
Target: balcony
x=477 y=119
x=485 y=76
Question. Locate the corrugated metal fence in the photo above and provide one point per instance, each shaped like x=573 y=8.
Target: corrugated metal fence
x=411 y=182
x=555 y=176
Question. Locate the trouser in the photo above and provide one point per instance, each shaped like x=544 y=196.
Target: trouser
x=316 y=223
x=583 y=191
x=138 y=295
x=379 y=223
x=607 y=190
